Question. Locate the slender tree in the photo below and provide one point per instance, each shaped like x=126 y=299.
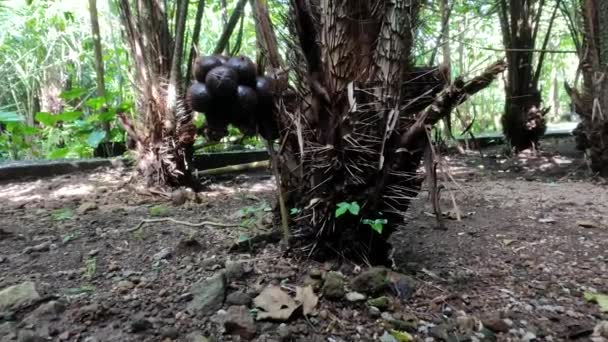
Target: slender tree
x=524 y=117
x=592 y=102
x=352 y=135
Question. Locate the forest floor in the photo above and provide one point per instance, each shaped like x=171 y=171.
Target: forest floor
x=533 y=240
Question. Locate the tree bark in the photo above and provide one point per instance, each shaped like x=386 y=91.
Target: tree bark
x=347 y=133
x=196 y=33
x=523 y=120
x=99 y=69
x=592 y=103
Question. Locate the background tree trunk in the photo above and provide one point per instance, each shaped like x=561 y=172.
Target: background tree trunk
x=99 y=69
x=592 y=103
x=164 y=132
x=347 y=133
x=523 y=120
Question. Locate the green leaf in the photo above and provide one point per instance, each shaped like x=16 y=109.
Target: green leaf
x=73 y=93
x=354 y=208
x=62 y=214
x=95 y=138
x=342 y=209
x=96 y=103
x=59 y=153
x=46 y=119
x=10 y=117
x=295 y=211
x=68 y=116
x=600 y=299
x=378 y=227
x=401 y=336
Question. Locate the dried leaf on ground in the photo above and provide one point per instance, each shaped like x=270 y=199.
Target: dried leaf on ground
x=587 y=224
x=307 y=297
x=277 y=305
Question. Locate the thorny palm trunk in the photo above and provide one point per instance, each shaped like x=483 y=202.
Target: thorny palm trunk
x=348 y=134
x=164 y=134
x=523 y=120
x=592 y=104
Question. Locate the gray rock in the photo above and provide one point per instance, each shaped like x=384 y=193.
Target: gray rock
x=7 y=329
x=333 y=287
x=15 y=296
x=165 y=253
x=2 y=259
x=208 y=295
x=238 y=298
x=355 y=297
x=197 y=337
x=284 y=332
x=169 y=332
x=86 y=207
x=239 y=322
x=140 y=325
x=374 y=312
x=124 y=286
x=402 y=286
x=46 y=312
x=315 y=273
x=42 y=247
x=387 y=316
x=235 y=270
x=371 y=281
x=30 y=336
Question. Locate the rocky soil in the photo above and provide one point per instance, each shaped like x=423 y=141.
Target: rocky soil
x=86 y=257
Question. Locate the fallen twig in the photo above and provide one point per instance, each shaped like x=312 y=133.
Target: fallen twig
x=184 y=223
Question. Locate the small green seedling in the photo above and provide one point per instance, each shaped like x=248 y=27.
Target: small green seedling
x=90 y=265
x=295 y=211
x=344 y=207
x=377 y=224
x=158 y=210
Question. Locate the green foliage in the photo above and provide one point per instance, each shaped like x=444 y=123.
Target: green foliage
x=62 y=214
x=158 y=210
x=377 y=224
x=344 y=207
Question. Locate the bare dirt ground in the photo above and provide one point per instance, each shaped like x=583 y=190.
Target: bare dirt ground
x=533 y=239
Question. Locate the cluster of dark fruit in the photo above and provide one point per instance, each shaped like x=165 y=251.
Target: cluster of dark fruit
x=229 y=91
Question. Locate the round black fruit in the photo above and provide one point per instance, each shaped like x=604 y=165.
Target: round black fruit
x=264 y=86
x=222 y=82
x=199 y=97
x=247 y=100
x=204 y=64
x=245 y=69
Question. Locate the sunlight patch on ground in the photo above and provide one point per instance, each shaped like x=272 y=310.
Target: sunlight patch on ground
x=73 y=190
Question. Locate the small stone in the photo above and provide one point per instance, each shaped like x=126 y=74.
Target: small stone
x=371 y=281
x=496 y=325
x=165 y=253
x=316 y=284
x=386 y=337
x=140 y=325
x=93 y=252
x=333 y=287
x=64 y=336
x=208 y=295
x=42 y=247
x=601 y=330
x=355 y=297
x=381 y=303
x=86 y=207
x=374 y=312
x=234 y=270
x=239 y=322
x=528 y=337
x=238 y=298
x=30 y=336
x=315 y=273
x=124 y=286
x=170 y=333
x=284 y=332
x=197 y=337
x=323 y=314
x=179 y=197
x=18 y=295
x=387 y=316
x=113 y=267
x=2 y=259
